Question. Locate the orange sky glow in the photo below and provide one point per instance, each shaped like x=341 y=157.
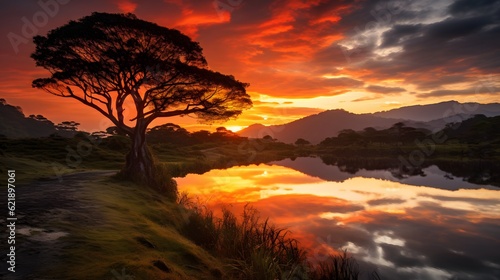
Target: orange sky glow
x=299 y=57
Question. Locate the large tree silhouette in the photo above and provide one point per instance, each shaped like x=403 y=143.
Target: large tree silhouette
x=108 y=60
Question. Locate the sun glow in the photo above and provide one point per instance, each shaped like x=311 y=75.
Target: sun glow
x=235 y=128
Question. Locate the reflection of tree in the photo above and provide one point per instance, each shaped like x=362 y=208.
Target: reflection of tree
x=302 y=142
x=397 y=134
x=476 y=172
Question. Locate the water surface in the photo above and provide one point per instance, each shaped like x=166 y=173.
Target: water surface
x=435 y=226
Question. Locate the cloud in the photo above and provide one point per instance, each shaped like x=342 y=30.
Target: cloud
x=382 y=89
x=126 y=6
x=365 y=98
x=468 y=91
x=434 y=49
x=467 y=7
x=384 y=201
x=449 y=41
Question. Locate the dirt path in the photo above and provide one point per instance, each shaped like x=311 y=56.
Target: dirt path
x=42 y=209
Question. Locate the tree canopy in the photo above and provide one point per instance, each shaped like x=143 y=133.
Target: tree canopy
x=104 y=59
x=117 y=62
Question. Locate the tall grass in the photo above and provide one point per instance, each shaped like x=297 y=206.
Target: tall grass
x=253 y=248
x=341 y=267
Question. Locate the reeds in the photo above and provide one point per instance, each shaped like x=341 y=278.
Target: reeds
x=253 y=248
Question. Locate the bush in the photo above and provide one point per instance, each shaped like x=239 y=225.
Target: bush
x=163 y=182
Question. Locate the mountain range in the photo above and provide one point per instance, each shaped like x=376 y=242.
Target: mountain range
x=316 y=128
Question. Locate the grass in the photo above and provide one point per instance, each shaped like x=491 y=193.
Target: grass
x=254 y=249
x=136 y=230
x=340 y=267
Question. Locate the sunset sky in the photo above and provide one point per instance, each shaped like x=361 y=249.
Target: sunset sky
x=300 y=57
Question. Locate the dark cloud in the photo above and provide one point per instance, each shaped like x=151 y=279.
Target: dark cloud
x=468 y=91
x=385 y=201
x=381 y=89
x=433 y=83
x=344 y=82
x=465 y=40
x=398 y=33
x=365 y=98
x=400 y=256
x=455 y=28
x=472 y=200
x=475 y=7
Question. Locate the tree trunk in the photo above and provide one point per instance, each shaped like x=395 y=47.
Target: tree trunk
x=139 y=164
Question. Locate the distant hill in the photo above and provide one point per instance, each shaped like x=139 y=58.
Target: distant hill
x=443 y=110
x=14 y=124
x=316 y=128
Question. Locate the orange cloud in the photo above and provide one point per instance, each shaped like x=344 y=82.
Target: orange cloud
x=126 y=6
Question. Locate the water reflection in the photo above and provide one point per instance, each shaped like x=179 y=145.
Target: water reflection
x=430 y=176
x=431 y=227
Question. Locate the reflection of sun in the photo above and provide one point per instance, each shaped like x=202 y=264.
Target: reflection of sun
x=264 y=174
x=234 y=128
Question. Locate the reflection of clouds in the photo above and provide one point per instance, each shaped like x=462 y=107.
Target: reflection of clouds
x=384 y=201
x=408 y=232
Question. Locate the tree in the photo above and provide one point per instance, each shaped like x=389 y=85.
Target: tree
x=268 y=138
x=302 y=142
x=107 y=61
x=68 y=126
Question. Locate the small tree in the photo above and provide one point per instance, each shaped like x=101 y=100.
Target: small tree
x=68 y=126
x=106 y=60
x=302 y=142
x=268 y=138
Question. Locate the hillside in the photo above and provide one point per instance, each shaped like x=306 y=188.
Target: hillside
x=14 y=124
x=426 y=113
x=316 y=128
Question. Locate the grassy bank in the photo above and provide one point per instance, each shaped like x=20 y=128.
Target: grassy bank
x=136 y=233
x=131 y=232
x=125 y=231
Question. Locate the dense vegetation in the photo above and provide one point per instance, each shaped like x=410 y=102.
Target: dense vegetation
x=468 y=149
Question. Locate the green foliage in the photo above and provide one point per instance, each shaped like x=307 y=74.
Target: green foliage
x=396 y=135
x=255 y=249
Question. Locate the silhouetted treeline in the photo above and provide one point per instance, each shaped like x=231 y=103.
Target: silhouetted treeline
x=14 y=124
x=396 y=134
x=477 y=137
x=178 y=136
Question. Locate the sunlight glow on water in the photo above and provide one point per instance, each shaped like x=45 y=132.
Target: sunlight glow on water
x=407 y=229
